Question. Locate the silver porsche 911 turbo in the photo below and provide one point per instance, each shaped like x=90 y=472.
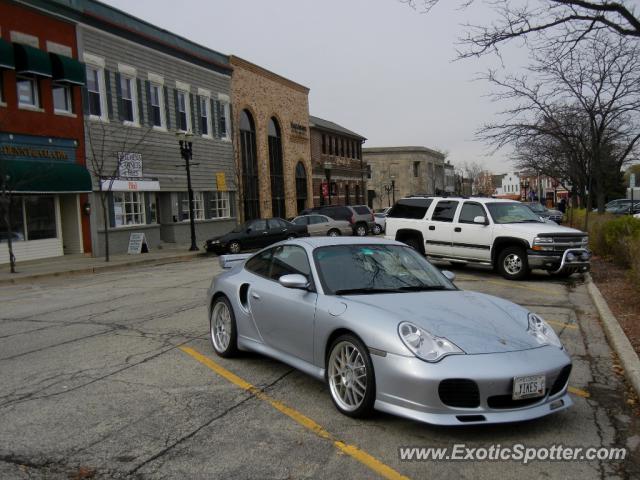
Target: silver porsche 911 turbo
x=388 y=331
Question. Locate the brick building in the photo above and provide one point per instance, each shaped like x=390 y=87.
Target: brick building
x=338 y=168
x=271 y=140
x=42 y=160
x=395 y=172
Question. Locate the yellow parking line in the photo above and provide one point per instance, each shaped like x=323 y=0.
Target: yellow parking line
x=360 y=455
x=562 y=324
x=578 y=392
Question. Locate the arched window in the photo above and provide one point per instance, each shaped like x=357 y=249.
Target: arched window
x=301 y=187
x=277 y=169
x=249 y=158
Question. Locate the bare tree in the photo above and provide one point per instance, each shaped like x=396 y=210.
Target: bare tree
x=565 y=23
x=104 y=163
x=588 y=102
x=472 y=171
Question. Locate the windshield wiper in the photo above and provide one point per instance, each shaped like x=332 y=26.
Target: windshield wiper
x=422 y=288
x=349 y=291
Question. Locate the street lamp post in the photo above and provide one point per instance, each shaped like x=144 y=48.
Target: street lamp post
x=393 y=188
x=186 y=150
x=327 y=173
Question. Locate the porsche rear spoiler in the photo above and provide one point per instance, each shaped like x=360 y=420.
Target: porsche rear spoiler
x=229 y=261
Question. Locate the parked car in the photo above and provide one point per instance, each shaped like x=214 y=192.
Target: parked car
x=387 y=330
x=623 y=208
x=255 y=234
x=502 y=233
x=321 y=225
x=381 y=221
x=615 y=203
x=544 y=212
x=361 y=219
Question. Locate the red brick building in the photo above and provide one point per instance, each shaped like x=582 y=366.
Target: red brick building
x=336 y=152
x=42 y=159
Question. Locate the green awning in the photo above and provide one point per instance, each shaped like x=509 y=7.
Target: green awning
x=67 y=70
x=6 y=55
x=39 y=176
x=31 y=60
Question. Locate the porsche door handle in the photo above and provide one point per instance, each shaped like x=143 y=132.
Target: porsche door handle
x=255 y=295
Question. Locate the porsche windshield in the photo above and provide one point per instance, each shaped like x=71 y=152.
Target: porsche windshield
x=507 y=212
x=364 y=269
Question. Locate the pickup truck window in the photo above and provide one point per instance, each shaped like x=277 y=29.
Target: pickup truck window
x=470 y=211
x=507 y=212
x=444 y=211
x=414 y=208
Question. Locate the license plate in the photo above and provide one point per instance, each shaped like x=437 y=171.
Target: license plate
x=528 y=387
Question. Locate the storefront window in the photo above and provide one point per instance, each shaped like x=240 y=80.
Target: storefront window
x=198 y=206
x=128 y=208
x=16 y=220
x=41 y=217
x=218 y=205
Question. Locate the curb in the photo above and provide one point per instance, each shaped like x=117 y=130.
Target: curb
x=618 y=339
x=99 y=269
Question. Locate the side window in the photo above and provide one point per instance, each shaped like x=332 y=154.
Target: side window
x=318 y=219
x=301 y=220
x=470 y=211
x=444 y=211
x=289 y=259
x=258 y=225
x=260 y=263
x=414 y=208
x=276 y=223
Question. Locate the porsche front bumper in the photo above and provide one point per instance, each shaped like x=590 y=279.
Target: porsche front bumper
x=409 y=387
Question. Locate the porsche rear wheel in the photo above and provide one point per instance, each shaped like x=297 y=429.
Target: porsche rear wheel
x=222 y=328
x=350 y=376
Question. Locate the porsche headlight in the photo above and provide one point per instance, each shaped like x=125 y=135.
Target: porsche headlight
x=424 y=345
x=542 y=332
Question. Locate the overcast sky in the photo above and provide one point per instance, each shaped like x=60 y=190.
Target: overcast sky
x=377 y=67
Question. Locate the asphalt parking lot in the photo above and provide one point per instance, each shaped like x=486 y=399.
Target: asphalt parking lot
x=112 y=376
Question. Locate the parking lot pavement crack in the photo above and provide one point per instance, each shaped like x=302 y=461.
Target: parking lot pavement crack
x=192 y=433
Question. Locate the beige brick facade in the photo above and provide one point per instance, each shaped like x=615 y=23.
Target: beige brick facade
x=415 y=170
x=265 y=95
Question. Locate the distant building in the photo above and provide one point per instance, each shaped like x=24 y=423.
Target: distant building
x=336 y=152
x=449 y=178
x=396 y=172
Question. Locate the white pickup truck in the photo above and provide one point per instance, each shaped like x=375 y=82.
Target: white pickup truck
x=502 y=233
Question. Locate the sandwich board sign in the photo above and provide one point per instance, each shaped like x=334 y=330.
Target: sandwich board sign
x=137 y=244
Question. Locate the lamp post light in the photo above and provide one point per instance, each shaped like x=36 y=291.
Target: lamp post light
x=327 y=173
x=393 y=188
x=186 y=150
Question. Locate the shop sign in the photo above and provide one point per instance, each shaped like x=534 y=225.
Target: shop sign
x=221 y=182
x=129 y=164
x=29 y=147
x=130 y=185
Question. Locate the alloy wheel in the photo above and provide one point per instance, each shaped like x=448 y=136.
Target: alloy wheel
x=512 y=264
x=234 y=247
x=347 y=376
x=221 y=326
x=361 y=231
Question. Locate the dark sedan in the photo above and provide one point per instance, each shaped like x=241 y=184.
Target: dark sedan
x=255 y=234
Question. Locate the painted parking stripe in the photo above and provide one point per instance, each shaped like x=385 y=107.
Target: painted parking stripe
x=363 y=457
x=578 y=392
x=562 y=324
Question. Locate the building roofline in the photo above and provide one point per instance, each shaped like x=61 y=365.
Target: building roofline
x=234 y=60
x=97 y=14
x=329 y=126
x=408 y=149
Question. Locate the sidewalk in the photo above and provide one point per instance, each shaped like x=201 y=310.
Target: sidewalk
x=82 y=264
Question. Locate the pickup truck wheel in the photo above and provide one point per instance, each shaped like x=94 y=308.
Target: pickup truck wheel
x=513 y=264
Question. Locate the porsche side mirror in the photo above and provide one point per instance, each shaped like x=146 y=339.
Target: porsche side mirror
x=294 y=280
x=450 y=275
x=480 y=219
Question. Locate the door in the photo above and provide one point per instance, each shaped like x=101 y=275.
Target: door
x=318 y=225
x=472 y=240
x=285 y=316
x=256 y=234
x=440 y=229
x=278 y=230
